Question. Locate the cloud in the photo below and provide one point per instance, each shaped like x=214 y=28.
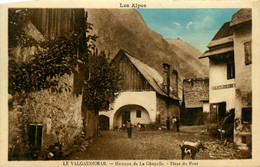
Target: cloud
x=203 y=23
x=168 y=31
x=177 y=24
x=188 y=25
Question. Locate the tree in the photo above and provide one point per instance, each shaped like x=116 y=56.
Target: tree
x=100 y=89
x=46 y=61
x=53 y=58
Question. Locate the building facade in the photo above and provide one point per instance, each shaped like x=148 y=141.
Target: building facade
x=48 y=116
x=146 y=96
x=196 y=101
x=230 y=88
x=242 y=33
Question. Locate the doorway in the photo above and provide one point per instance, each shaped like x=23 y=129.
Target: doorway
x=221 y=111
x=103 y=122
x=218 y=111
x=125 y=117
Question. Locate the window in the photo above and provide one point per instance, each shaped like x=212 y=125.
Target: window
x=35 y=136
x=247 y=115
x=244 y=139
x=138 y=113
x=230 y=70
x=248 y=52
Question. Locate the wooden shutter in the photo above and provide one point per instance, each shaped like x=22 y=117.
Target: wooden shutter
x=248 y=52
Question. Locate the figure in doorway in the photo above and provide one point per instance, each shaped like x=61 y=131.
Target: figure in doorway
x=129 y=128
x=139 y=126
x=174 y=121
x=177 y=124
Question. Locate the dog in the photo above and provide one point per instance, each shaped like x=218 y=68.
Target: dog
x=191 y=148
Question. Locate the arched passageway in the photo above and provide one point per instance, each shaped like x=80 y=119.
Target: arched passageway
x=136 y=113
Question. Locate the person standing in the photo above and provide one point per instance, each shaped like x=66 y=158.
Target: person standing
x=178 y=124
x=174 y=120
x=168 y=123
x=129 y=128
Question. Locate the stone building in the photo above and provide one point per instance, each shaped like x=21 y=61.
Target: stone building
x=146 y=96
x=49 y=116
x=195 y=97
x=242 y=33
x=221 y=73
x=230 y=85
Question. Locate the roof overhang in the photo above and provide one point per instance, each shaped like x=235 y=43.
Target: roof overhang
x=220 y=41
x=150 y=74
x=242 y=16
x=210 y=53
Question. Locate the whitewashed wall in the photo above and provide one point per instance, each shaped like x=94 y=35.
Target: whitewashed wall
x=145 y=99
x=218 y=77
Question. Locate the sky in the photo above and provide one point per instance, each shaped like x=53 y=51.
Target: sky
x=195 y=26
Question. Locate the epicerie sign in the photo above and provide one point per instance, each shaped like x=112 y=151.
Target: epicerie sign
x=223 y=86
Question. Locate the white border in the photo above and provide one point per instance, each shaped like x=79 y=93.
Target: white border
x=255 y=5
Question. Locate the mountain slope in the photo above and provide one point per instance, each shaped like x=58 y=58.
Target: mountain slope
x=188 y=52
x=125 y=29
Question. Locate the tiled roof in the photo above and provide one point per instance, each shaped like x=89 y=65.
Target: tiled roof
x=150 y=74
x=225 y=34
x=243 y=15
x=221 y=41
x=224 y=31
x=223 y=37
x=209 y=53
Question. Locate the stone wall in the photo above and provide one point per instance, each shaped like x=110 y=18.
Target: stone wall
x=243 y=98
x=173 y=110
x=243 y=71
x=57 y=110
x=195 y=90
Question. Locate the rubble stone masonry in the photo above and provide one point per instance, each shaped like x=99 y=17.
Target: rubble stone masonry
x=58 y=111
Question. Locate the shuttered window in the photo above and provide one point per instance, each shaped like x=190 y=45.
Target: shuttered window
x=248 y=52
x=230 y=70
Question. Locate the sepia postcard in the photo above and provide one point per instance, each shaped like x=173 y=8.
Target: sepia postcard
x=130 y=83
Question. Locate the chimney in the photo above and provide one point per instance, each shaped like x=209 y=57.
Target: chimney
x=174 y=83
x=166 y=78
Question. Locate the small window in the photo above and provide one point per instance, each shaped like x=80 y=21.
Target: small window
x=35 y=136
x=248 y=52
x=138 y=113
x=230 y=70
x=244 y=139
x=247 y=115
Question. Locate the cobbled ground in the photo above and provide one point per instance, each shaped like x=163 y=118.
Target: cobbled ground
x=164 y=145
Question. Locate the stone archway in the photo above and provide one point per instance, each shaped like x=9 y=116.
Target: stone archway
x=136 y=113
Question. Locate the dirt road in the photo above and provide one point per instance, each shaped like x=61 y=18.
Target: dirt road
x=114 y=145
